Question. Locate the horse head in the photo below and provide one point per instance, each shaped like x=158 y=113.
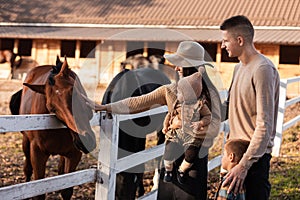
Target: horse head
x=63 y=92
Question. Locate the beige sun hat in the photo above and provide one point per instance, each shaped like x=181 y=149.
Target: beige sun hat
x=188 y=54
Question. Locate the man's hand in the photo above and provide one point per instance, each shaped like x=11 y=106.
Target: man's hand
x=235 y=179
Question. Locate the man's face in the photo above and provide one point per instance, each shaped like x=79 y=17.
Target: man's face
x=230 y=43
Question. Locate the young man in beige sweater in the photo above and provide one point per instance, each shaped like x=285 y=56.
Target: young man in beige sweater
x=253 y=108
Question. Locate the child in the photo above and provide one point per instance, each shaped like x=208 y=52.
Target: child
x=233 y=152
x=183 y=124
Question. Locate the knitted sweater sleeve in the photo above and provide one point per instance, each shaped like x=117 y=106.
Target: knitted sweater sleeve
x=265 y=105
x=141 y=103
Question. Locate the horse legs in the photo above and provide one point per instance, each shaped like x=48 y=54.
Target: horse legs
x=67 y=165
x=38 y=161
x=140 y=184
x=27 y=165
x=127 y=184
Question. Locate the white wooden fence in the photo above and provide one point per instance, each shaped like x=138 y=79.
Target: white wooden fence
x=283 y=104
x=108 y=164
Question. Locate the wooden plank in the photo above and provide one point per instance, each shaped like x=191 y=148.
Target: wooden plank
x=102 y=186
x=113 y=158
x=139 y=158
x=213 y=163
x=292 y=101
x=95 y=121
x=280 y=118
x=153 y=111
x=15 y=123
x=292 y=79
x=291 y=122
x=46 y=185
x=223 y=94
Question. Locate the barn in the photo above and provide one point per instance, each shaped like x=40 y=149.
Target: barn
x=96 y=36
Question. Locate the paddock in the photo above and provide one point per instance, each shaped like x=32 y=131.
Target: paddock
x=108 y=165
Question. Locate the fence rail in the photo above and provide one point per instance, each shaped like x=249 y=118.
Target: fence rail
x=108 y=163
x=283 y=104
x=51 y=184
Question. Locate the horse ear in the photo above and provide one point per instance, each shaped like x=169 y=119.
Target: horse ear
x=57 y=60
x=37 y=88
x=64 y=68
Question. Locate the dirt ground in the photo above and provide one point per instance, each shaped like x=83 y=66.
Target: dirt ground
x=11 y=155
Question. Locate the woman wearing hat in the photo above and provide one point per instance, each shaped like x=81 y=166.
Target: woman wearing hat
x=187 y=59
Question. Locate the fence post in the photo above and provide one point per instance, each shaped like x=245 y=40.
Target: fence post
x=106 y=176
x=280 y=118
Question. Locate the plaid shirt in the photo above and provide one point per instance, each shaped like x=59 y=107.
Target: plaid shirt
x=222 y=193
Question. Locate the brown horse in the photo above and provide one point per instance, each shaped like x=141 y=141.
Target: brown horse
x=55 y=89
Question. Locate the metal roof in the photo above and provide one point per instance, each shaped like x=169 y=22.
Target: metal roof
x=275 y=21
x=291 y=37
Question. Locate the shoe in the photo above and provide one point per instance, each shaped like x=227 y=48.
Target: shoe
x=181 y=177
x=168 y=176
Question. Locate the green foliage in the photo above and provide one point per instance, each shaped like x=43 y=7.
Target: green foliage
x=285 y=170
x=285 y=178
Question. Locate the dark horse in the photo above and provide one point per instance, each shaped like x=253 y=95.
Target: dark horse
x=10 y=57
x=55 y=89
x=132 y=133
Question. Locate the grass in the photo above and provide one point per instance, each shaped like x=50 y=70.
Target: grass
x=285 y=169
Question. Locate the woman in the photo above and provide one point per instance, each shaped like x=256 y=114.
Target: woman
x=187 y=59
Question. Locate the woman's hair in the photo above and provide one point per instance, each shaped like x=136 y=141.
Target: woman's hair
x=239 y=25
x=186 y=71
x=238 y=147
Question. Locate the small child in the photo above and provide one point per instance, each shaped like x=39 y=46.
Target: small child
x=234 y=150
x=184 y=125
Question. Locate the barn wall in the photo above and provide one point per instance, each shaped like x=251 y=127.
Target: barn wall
x=109 y=55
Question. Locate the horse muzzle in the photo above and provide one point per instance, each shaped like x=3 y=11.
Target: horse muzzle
x=85 y=143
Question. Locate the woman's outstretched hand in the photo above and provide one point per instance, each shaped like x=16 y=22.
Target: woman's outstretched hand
x=93 y=105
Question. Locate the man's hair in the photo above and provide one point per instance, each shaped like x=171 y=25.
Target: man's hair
x=236 y=146
x=239 y=25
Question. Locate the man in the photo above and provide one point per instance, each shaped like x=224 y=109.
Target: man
x=253 y=107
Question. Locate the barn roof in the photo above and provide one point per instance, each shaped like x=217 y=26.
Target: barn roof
x=275 y=21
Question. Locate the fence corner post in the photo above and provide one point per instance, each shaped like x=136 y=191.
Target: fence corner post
x=280 y=118
x=105 y=176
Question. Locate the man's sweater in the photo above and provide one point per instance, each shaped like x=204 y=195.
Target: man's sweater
x=253 y=107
